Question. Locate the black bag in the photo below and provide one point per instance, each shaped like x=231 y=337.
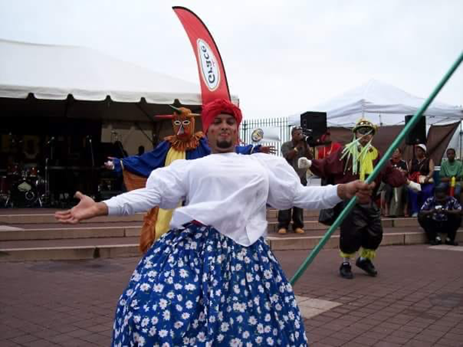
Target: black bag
x=327 y=216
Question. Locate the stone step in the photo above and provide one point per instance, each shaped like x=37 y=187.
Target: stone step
x=19 y=217
x=46 y=216
x=57 y=231
x=22 y=232
x=69 y=249
x=386 y=222
x=128 y=246
x=306 y=242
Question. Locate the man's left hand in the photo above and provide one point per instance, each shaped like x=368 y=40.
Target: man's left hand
x=356 y=188
x=268 y=149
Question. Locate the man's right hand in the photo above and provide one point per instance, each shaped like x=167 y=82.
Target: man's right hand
x=109 y=165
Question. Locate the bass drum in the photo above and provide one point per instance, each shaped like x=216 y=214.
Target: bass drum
x=24 y=193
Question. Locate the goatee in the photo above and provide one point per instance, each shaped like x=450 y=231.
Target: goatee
x=224 y=144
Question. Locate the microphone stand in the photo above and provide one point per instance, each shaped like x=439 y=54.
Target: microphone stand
x=92 y=156
x=47 y=182
x=48 y=195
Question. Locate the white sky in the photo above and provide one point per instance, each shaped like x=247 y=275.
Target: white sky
x=281 y=57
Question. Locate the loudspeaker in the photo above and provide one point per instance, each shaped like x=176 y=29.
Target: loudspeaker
x=418 y=133
x=314 y=126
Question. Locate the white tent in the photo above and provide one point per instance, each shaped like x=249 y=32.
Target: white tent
x=53 y=72
x=381 y=103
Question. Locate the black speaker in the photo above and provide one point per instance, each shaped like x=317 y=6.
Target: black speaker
x=314 y=126
x=418 y=133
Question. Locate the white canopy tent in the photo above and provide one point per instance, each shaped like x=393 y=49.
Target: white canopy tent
x=59 y=73
x=382 y=104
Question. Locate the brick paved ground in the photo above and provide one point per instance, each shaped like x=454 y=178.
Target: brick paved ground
x=417 y=300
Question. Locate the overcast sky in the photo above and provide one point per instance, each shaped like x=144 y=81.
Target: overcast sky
x=281 y=57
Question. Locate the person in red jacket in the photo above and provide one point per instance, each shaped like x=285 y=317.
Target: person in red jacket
x=328 y=146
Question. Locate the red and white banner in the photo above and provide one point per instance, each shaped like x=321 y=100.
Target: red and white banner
x=210 y=66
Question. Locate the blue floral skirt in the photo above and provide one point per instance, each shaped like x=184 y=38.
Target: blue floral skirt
x=197 y=287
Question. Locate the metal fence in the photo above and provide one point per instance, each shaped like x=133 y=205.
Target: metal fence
x=249 y=125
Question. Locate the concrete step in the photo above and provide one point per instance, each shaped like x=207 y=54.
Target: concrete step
x=306 y=242
x=387 y=223
x=47 y=217
x=69 y=249
x=114 y=247
x=20 y=217
x=57 y=231
x=63 y=231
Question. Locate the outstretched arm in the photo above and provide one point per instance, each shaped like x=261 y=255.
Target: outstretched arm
x=87 y=208
x=138 y=200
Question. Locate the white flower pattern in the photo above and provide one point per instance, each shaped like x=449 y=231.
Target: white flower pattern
x=196 y=287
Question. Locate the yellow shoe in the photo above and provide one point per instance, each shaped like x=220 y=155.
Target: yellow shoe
x=299 y=231
x=282 y=231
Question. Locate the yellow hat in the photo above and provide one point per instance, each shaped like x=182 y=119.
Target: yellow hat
x=364 y=123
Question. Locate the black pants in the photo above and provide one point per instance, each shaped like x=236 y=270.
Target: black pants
x=361 y=228
x=432 y=227
x=284 y=218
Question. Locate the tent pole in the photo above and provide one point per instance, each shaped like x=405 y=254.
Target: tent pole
x=461 y=134
x=151 y=119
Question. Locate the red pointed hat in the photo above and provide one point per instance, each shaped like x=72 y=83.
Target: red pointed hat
x=216 y=107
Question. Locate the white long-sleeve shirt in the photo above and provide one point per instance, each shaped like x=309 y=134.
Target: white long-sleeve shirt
x=226 y=191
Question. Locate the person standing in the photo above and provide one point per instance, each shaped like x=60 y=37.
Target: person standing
x=292 y=151
x=212 y=280
x=396 y=197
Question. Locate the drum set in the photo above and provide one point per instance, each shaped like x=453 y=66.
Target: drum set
x=23 y=186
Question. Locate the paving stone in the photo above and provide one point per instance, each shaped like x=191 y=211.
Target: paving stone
x=413 y=300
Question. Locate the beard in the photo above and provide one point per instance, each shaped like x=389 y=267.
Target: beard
x=224 y=144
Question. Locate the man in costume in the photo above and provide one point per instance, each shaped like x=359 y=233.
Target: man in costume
x=184 y=144
x=362 y=227
x=213 y=280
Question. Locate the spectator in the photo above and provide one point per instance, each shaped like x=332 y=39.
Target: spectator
x=141 y=150
x=452 y=168
x=396 y=198
x=327 y=146
x=292 y=151
x=421 y=171
x=440 y=214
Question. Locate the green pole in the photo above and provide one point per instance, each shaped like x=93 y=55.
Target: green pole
x=410 y=125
